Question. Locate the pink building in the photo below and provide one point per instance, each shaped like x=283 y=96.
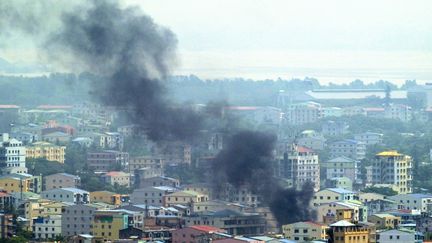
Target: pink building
x=197 y=233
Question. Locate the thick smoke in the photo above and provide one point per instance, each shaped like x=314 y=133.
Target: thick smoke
x=127 y=48
x=135 y=55
x=246 y=162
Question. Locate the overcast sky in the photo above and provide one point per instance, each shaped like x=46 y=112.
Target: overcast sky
x=389 y=38
x=333 y=40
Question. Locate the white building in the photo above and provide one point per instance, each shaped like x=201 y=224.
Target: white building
x=422 y=202
x=151 y=195
x=302 y=113
x=369 y=138
x=301 y=165
x=48 y=227
x=399 y=112
x=353 y=149
x=72 y=195
x=12 y=155
x=399 y=235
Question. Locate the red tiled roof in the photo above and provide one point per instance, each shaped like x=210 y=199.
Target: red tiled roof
x=206 y=228
x=302 y=149
x=114 y=173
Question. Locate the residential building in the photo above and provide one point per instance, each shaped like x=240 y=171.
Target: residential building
x=61 y=180
x=352 y=149
x=414 y=201
x=116 y=177
x=186 y=198
x=311 y=139
x=369 y=138
x=108 y=223
x=20 y=183
x=175 y=152
x=145 y=162
x=160 y=181
x=345 y=231
x=329 y=195
x=12 y=155
x=305 y=231
x=77 y=219
x=57 y=137
x=384 y=220
x=110 y=140
x=6 y=200
x=393 y=168
x=301 y=165
x=302 y=113
x=152 y=195
x=328 y=212
x=47 y=151
x=7 y=226
x=72 y=195
x=47 y=227
x=24 y=137
x=233 y=222
x=399 y=235
x=83 y=141
x=106 y=160
x=339 y=182
x=341 y=167
x=196 y=234
x=334 y=128
x=399 y=112
x=143 y=174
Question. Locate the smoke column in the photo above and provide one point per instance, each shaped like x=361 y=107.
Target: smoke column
x=134 y=55
x=246 y=161
x=128 y=49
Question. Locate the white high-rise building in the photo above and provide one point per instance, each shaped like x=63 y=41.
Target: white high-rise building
x=12 y=155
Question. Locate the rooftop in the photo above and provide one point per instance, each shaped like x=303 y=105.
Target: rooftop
x=389 y=153
x=340 y=190
x=342 y=223
x=206 y=228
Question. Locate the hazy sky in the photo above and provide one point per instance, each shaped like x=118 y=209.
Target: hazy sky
x=370 y=38
x=333 y=40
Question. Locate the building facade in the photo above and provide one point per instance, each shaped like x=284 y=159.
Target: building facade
x=393 y=168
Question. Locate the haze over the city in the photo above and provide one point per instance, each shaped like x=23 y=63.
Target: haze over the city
x=333 y=41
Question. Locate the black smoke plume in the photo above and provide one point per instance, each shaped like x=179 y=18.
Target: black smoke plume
x=135 y=55
x=128 y=49
x=246 y=161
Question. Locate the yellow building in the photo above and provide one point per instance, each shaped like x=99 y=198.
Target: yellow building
x=344 y=231
x=11 y=183
x=393 y=168
x=384 y=220
x=305 y=231
x=46 y=150
x=109 y=197
x=185 y=198
x=35 y=208
x=108 y=223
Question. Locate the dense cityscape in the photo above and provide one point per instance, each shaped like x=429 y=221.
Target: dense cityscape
x=102 y=140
